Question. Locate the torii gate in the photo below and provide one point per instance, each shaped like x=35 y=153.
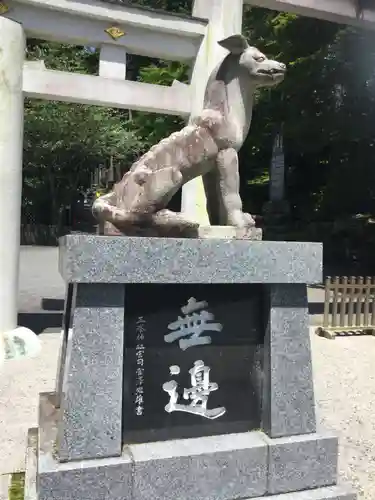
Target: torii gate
x=115 y=29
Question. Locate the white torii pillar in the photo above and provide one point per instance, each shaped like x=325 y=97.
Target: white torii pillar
x=12 y=53
x=225 y=19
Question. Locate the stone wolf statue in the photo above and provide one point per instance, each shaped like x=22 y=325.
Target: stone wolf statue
x=207 y=146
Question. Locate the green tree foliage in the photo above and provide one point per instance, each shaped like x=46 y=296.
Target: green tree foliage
x=64 y=143
x=177 y=6
x=150 y=127
x=62 y=147
x=327 y=106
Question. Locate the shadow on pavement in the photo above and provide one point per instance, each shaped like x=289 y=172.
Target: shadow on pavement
x=50 y=317
x=40 y=321
x=52 y=304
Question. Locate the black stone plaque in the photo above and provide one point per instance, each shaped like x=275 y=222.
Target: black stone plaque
x=189 y=352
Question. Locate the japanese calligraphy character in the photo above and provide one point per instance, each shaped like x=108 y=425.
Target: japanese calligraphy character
x=198 y=393
x=192 y=325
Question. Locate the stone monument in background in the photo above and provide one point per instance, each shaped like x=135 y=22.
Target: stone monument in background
x=276 y=211
x=185 y=368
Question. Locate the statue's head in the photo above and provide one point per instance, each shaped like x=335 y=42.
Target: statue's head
x=264 y=72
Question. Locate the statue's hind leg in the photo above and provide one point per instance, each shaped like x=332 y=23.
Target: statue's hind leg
x=157 y=191
x=152 y=191
x=150 y=205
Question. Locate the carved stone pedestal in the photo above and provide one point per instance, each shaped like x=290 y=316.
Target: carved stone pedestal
x=123 y=423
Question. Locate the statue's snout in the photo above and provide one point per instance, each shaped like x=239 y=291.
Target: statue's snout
x=277 y=66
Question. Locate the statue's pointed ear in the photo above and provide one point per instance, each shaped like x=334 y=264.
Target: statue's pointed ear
x=236 y=44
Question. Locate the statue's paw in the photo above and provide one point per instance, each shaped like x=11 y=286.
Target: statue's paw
x=240 y=219
x=248 y=219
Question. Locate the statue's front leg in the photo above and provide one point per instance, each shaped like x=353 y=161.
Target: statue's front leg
x=229 y=187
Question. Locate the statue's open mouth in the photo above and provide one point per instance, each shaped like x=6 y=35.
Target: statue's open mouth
x=271 y=72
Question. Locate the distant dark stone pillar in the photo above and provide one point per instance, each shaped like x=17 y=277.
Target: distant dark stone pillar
x=276 y=210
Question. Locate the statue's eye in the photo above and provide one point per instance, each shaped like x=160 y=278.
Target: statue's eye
x=260 y=59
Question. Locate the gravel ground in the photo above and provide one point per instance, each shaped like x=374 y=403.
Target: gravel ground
x=21 y=381
x=345 y=390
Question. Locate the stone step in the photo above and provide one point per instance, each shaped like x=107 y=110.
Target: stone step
x=339 y=492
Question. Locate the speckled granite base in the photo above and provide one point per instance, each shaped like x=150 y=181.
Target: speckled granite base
x=288 y=405
x=86 y=258
x=86 y=459
x=91 y=398
x=301 y=462
x=102 y=266
x=226 y=467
